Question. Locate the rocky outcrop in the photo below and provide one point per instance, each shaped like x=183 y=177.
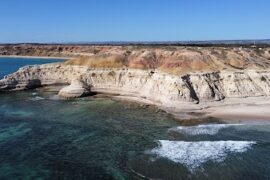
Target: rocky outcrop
x=76 y=89
x=157 y=86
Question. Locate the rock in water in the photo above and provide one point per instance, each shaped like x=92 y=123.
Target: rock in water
x=76 y=89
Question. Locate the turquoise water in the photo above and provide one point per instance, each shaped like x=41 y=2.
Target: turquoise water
x=43 y=137
x=9 y=65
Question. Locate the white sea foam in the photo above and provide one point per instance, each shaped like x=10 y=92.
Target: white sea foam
x=37 y=98
x=209 y=129
x=194 y=154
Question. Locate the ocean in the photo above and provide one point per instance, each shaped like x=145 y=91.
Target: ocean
x=9 y=65
x=44 y=137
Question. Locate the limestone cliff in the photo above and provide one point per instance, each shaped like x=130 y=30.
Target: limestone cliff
x=157 y=86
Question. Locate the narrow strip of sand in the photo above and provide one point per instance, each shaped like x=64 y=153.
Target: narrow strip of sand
x=253 y=110
x=33 y=57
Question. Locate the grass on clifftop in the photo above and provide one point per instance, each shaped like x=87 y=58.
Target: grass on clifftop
x=99 y=61
x=180 y=61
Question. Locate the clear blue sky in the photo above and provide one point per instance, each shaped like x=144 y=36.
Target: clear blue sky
x=133 y=20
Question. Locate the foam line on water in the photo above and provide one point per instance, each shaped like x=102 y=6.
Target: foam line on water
x=37 y=98
x=194 y=154
x=208 y=129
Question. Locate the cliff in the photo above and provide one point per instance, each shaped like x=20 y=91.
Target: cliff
x=165 y=75
x=156 y=86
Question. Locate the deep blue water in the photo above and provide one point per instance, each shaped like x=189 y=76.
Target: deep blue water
x=9 y=65
x=44 y=137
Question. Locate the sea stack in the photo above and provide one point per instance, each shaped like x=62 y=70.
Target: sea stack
x=76 y=89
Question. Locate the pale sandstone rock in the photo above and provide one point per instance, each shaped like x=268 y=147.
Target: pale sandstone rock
x=76 y=89
x=162 y=88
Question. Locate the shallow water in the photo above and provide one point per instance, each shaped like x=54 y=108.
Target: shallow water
x=44 y=137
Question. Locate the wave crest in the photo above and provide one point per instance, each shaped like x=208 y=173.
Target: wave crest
x=194 y=154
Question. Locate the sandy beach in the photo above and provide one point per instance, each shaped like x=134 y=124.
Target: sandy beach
x=252 y=110
x=243 y=114
x=246 y=110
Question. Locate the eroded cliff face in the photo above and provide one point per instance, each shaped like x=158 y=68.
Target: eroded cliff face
x=156 y=86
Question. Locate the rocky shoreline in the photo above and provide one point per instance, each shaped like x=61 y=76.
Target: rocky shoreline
x=193 y=92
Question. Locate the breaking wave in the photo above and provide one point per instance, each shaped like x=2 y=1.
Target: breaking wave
x=209 y=129
x=37 y=98
x=194 y=154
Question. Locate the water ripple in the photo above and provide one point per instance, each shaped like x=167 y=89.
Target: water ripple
x=204 y=129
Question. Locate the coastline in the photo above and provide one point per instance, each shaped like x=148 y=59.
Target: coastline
x=176 y=96
x=250 y=110
x=244 y=112
x=33 y=57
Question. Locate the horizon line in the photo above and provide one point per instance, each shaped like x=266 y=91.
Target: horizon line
x=189 y=42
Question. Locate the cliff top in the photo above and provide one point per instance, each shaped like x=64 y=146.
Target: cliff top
x=177 y=60
x=172 y=59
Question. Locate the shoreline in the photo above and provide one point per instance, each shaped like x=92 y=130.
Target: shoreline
x=178 y=96
x=251 y=110
x=34 y=57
